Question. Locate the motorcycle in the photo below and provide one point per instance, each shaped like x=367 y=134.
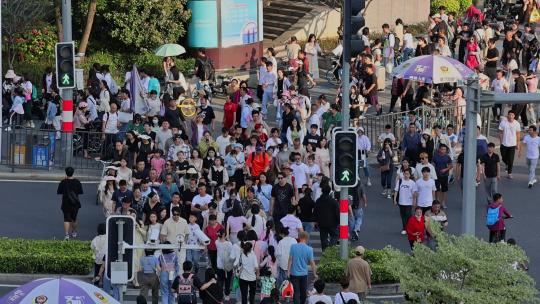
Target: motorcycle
x=221 y=85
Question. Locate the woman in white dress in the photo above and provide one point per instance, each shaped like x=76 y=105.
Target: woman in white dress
x=312 y=50
x=322 y=157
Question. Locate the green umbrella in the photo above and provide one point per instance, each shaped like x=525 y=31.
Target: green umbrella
x=170 y=49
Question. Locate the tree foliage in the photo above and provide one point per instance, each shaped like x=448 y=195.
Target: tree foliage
x=463 y=270
x=146 y=24
x=19 y=17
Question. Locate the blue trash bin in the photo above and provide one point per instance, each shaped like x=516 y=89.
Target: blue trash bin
x=40 y=156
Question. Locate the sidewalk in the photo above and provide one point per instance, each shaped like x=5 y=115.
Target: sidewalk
x=36 y=175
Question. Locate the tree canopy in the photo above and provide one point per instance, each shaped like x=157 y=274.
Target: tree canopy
x=464 y=269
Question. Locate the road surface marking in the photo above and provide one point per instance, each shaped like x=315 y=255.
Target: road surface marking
x=41 y=181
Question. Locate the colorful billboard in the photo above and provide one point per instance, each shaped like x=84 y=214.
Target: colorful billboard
x=203 y=27
x=239 y=22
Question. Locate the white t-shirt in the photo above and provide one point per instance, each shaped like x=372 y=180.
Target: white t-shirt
x=498 y=85
x=299 y=172
x=293 y=223
x=340 y=296
x=408 y=41
x=425 y=192
x=283 y=251
x=201 y=200
x=319 y=298
x=223 y=142
x=111 y=122
x=406 y=192
x=509 y=130
x=533 y=146
x=249 y=264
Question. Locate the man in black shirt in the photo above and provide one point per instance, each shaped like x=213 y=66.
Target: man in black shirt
x=520 y=86
x=490 y=167
x=287 y=118
x=326 y=215
x=312 y=137
x=510 y=47
x=370 y=88
x=464 y=37
x=492 y=57
x=282 y=197
x=70 y=188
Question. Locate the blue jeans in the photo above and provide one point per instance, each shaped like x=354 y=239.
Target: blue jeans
x=167 y=297
x=282 y=276
x=356 y=223
x=407 y=53
x=194 y=255
x=307 y=226
x=268 y=97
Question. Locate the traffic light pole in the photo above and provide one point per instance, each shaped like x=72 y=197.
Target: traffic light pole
x=469 y=180
x=120 y=255
x=67 y=94
x=345 y=88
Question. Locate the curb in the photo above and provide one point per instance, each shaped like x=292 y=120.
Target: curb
x=43 y=176
x=376 y=290
x=23 y=278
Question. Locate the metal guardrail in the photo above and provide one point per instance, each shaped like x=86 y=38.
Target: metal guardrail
x=46 y=149
x=428 y=117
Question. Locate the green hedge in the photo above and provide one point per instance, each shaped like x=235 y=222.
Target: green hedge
x=44 y=256
x=331 y=267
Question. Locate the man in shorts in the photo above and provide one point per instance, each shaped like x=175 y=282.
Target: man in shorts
x=443 y=165
x=70 y=188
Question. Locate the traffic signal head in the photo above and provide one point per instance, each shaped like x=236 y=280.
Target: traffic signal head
x=345 y=162
x=65 y=65
x=357 y=23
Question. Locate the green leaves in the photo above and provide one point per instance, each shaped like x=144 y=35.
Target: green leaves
x=146 y=24
x=39 y=256
x=331 y=267
x=463 y=270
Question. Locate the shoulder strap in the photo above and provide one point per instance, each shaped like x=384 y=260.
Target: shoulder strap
x=342 y=299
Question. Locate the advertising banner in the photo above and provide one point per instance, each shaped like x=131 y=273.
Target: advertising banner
x=239 y=22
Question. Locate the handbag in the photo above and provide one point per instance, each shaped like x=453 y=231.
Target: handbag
x=124 y=117
x=235 y=283
x=385 y=167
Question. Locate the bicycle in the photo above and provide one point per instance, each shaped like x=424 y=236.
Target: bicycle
x=333 y=71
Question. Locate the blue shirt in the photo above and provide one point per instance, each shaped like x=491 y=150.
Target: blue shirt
x=441 y=162
x=165 y=194
x=149 y=264
x=301 y=256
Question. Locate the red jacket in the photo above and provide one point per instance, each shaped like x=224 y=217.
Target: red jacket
x=416 y=226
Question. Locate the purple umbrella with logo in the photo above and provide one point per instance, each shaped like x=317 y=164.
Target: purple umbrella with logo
x=57 y=290
x=433 y=69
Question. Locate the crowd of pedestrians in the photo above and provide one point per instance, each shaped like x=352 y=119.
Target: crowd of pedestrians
x=250 y=193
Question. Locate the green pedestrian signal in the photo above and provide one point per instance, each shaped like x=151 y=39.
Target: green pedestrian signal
x=65 y=79
x=345 y=158
x=345 y=176
x=65 y=65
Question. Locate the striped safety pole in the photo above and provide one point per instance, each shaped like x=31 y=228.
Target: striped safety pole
x=67 y=116
x=344 y=219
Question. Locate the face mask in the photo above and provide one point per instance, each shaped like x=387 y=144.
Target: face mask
x=155 y=121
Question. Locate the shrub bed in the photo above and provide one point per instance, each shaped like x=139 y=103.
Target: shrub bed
x=45 y=256
x=331 y=267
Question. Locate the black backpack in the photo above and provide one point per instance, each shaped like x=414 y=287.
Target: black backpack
x=208 y=71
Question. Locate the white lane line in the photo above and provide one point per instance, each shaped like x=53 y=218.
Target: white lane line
x=8 y=285
x=41 y=181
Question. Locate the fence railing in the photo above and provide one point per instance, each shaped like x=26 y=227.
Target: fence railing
x=428 y=117
x=47 y=149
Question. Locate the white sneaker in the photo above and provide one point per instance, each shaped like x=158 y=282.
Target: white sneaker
x=403 y=232
x=368 y=183
x=66 y=237
x=534 y=181
x=32 y=124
